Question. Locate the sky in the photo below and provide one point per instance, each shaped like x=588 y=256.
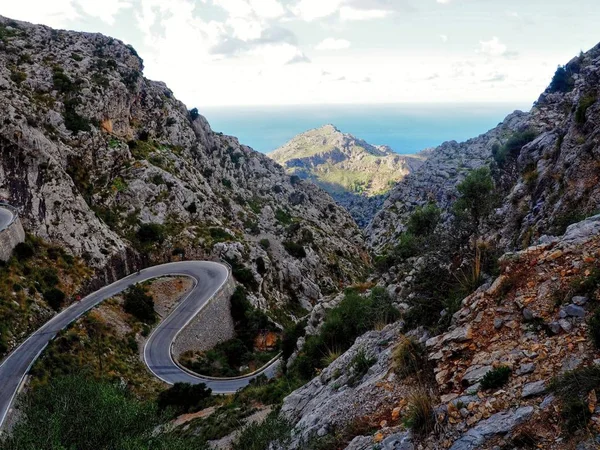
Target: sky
x=285 y=52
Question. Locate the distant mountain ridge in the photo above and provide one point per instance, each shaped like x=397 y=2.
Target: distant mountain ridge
x=357 y=174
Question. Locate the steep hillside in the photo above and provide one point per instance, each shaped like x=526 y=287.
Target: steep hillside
x=113 y=167
x=355 y=173
x=545 y=164
x=491 y=253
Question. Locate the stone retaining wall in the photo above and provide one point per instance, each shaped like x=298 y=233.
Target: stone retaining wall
x=211 y=326
x=10 y=237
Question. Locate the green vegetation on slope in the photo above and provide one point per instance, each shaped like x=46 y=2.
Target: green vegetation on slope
x=75 y=412
x=37 y=280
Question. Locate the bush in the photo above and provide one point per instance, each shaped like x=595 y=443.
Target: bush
x=360 y=365
x=584 y=105
x=420 y=417
x=294 y=249
x=407 y=247
x=73 y=121
x=220 y=235
x=150 y=233
x=513 y=146
x=290 y=338
x=23 y=251
x=258 y=436
x=408 y=357
x=184 y=397
x=354 y=316
x=79 y=413
x=194 y=114
x=572 y=388
x=475 y=201
x=423 y=220
x=139 y=304
x=562 y=80
x=55 y=298
x=62 y=83
x=496 y=378
x=593 y=324
x=283 y=217
x=265 y=244
x=575 y=414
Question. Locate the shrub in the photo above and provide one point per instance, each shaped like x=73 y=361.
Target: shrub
x=194 y=114
x=283 y=217
x=475 y=201
x=593 y=324
x=290 y=338
x=562 y=80
x=73 y=121
x=423 y=220
x=265 y=244
x=184 y=397
x=219 y=234
x=23 y=251
x=575 y=414
x=294 y=249
x=150 y=233
x=360 y=365
x=513 y=146
x=420 y=417
x=407 y=247
x=54 y=297
x=584 y=105
x=408 y=357
x=259 y=436
x=62 y=83
x=354 y=316
x=139 y=304
x=92 y=416
x=18 y=76
x=496 y=377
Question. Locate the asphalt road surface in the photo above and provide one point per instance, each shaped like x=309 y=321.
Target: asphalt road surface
x=6 y=217
x=208 y=278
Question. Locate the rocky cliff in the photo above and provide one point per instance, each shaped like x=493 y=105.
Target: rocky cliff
x=113 y=167
x=544 y=162
x=510 y=357
x=357 y=174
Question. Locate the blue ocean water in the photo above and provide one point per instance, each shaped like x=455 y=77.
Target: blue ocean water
x=405 y=128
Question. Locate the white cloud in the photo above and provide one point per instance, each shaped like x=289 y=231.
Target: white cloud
x=493 y=47
x=105 y=10
x=310 y=10
x=444 y=38
x=333 y=44
x=58 y=13
x=348 y=13
x=444 y=2
x=268 y=9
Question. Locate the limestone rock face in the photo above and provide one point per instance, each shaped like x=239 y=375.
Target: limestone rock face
x=357 y=174
x=90 y=151
x=551 y=183
x=436 y=180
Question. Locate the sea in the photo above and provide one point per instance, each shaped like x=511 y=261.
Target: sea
x=406 y=128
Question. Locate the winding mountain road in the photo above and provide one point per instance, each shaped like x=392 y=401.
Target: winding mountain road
x=208 y=278
x=6 y=217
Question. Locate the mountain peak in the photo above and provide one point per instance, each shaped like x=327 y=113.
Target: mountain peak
x=347 y=167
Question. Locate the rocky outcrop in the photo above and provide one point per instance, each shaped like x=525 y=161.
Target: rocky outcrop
x=550 y=182
x=358 y=175
x=436 y=180
x=91 y=152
